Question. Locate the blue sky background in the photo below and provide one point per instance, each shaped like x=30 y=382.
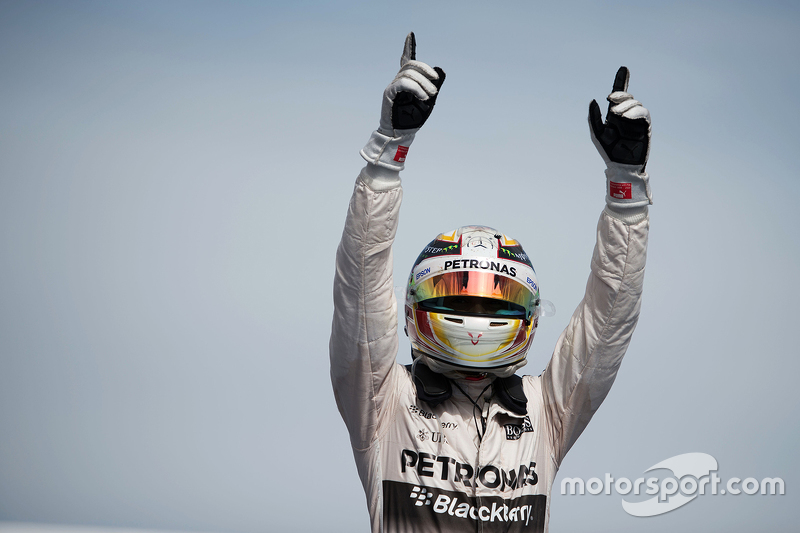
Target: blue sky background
x=174 y=178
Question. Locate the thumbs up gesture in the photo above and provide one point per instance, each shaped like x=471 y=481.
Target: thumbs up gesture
x=407 y=104
x=624 y=144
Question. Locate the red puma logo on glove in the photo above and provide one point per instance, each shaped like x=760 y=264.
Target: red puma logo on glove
x=401 y=153
x=620 y=190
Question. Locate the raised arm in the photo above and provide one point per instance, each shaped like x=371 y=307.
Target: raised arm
x=590 y=350
x=363 y=343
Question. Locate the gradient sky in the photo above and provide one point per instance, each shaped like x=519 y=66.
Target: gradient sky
x=174 y=178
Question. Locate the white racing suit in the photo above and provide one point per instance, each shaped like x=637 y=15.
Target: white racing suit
x=425 y=468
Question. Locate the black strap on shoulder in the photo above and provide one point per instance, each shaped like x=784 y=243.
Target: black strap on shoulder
x=435 y=388
x=431 y=387
x=509 y=392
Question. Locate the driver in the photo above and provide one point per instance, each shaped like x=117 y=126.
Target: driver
x=458 y=441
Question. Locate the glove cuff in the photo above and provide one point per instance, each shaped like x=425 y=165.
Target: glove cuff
x=387 y=152
x=627 y=187
x=379 y=179
x=629 y=216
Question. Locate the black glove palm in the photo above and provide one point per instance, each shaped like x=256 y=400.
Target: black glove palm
x=408 y=111
x=408 y=101
x=625 y=136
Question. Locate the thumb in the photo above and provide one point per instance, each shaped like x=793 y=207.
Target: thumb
x=595 y=119
x=409 y=50
x=438 y=83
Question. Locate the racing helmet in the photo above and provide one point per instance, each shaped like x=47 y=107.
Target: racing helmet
x=472 y=303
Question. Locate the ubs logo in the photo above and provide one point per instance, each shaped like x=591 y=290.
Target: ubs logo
x=434 y=436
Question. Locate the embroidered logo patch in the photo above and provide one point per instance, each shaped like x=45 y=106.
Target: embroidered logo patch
x=515 y=431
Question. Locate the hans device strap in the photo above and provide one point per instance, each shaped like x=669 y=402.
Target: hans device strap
x=434 y=388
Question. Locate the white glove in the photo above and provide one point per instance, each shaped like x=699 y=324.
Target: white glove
x=407 y=104
x=624 y=143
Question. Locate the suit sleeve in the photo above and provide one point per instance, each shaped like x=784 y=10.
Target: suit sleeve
x=363 y=344
x=589 y=352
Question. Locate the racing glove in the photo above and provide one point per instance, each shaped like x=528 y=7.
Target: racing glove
x=407 y=104
x=624 y=143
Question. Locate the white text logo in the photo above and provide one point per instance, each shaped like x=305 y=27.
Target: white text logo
x=694 y=474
